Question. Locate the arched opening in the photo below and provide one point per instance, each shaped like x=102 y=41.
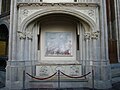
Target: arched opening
x=3 y=45
x=69 y=12
x=71 y=30
x=58 y=37
x=3 y=52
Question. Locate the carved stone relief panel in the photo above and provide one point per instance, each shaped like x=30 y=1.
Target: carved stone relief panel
x=58 y=44
x=48 y=70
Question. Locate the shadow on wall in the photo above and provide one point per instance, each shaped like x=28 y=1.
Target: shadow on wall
x=2 y=78
x=2 y=71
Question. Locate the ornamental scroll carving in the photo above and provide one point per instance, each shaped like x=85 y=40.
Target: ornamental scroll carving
x=92 y=35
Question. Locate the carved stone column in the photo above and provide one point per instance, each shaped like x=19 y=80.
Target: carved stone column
x=11 y=28
x=14 y=33
x=21 y=39
x=87 y=39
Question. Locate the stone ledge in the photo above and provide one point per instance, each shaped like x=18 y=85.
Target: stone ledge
x=59 y=4
x=63 y=80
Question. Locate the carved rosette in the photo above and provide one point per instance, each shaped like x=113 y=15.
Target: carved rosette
x=25 y=12
x=43 y=71
x=59 y=68
x=74 y=71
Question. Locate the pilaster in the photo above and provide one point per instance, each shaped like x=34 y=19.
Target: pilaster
x=14 y=33
x=11 y=28
x=102 y=71
x=117 y=23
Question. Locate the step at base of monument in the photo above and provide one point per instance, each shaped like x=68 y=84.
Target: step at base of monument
x=58 y=89
x=54 y=84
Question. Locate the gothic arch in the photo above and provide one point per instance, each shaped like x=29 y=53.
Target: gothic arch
x=71 y=12
x=29 y=35
x=4 y=23
x=4 y=39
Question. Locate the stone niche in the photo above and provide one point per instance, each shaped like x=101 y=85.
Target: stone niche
x=57 y=41
x=40 y=24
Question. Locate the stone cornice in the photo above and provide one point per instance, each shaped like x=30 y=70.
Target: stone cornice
x=60 y=4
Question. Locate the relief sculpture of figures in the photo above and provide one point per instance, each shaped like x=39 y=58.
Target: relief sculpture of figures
x=58 y=44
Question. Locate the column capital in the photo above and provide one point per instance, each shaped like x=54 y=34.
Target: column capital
x=21 y=35
x=95 y=35
x=87 y=36
x=29 y=35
